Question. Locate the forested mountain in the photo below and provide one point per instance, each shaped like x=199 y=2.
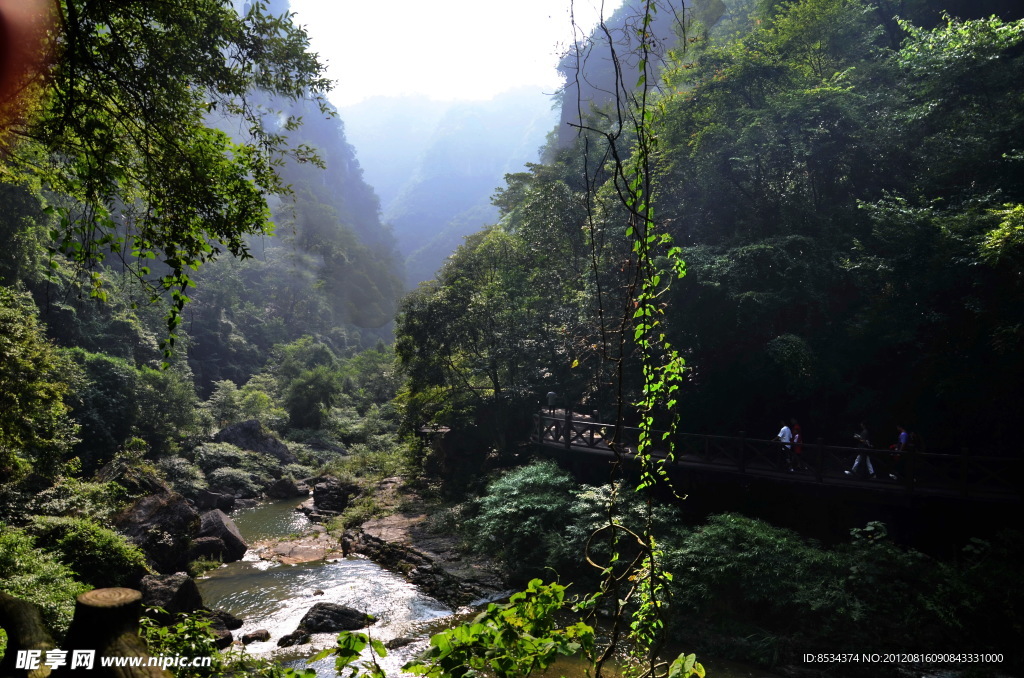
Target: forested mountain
x=846 y=192
x=186 y=265
x=144 y=229
x=436 y=165
x=330 y=270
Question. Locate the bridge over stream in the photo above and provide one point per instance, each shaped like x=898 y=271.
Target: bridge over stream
x=976 y=477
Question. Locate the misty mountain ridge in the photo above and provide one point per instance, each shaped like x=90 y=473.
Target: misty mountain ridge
x=436 y=164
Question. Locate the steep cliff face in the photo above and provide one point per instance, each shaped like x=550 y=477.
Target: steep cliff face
x=591 y=79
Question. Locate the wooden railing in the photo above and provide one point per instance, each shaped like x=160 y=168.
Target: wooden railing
x=963 y=474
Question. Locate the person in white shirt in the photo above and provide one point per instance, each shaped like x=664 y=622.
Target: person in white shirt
x=786 y=437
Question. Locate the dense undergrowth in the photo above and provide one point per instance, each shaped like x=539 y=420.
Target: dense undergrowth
x=749 y=590
x=845 y=188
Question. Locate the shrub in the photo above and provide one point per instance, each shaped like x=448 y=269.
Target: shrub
x=298 y=471
x=74 y=497
x=100 y=556
x=377 y=462
x=191 y=636
x=213 y=456
x=522 y=516
x=234 y=481
x=34 y=575
x=739 y=567
x=589 y=512
x=184 y=477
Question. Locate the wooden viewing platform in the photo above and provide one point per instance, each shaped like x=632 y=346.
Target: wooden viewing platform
x=964 y=475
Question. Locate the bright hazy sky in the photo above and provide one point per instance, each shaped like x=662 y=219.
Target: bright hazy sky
x=446 y=49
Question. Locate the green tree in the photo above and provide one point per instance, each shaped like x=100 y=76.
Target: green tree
x=168 y=410
x=36 y=431
x=481 y=332
x=127 y=131
x=309 y=396
x=105 y=407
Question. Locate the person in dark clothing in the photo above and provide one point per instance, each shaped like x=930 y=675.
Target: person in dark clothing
x=863 y=440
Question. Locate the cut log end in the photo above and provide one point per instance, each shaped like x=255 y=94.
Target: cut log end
x=109 y=598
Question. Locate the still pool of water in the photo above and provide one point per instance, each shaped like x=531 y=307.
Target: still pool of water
x=271 y=520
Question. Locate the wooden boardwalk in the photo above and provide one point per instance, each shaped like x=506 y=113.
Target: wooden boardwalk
x=964 y=476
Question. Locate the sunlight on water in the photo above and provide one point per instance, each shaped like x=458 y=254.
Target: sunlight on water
x=275 y=597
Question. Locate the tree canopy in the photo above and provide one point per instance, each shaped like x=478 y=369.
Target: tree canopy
x=156 y=132
x=846 y=191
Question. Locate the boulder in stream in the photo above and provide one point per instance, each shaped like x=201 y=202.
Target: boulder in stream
x=216 y=524
x=173 y=592
x=331 y=617
x=257 y=636
x=230 y=621
x=332 y=496
x=162 y=526
x=297 y=637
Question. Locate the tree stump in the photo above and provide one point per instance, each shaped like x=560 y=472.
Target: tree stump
x=25 y=631
x=107 y=620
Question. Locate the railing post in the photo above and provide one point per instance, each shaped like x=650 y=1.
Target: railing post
x=909 y=469
x=742 y=458
x=567 y=430
x=818 y=467
x=965 y=484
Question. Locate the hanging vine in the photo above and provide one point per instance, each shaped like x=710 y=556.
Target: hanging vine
x=516 y=638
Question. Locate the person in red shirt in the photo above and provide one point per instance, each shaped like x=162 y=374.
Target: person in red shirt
x=798 y=444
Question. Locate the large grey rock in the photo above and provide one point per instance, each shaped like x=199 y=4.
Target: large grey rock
x=207 y=548
x=259 y=635
x=162 y=526
x=331 y=617
x=216 y=524
x=228 y=620
x=175 y=593
x=332 y=496
x=285 y=488
x=250 y=435
x=206 y=500
x=297 y=637
x=221 y=624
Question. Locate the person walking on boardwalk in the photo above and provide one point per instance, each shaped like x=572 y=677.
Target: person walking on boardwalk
x=862 y=441
x=786 y=438
x=900 y=449
x=798 y=445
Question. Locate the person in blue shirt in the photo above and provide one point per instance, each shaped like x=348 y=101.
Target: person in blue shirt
x=901 y=447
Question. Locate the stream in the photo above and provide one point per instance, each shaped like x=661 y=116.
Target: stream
x=274 y=597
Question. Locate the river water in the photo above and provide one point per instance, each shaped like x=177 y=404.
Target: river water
x=274 y=597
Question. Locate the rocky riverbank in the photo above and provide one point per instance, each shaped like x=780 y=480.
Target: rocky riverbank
x=403 y=543
x=315 y=544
